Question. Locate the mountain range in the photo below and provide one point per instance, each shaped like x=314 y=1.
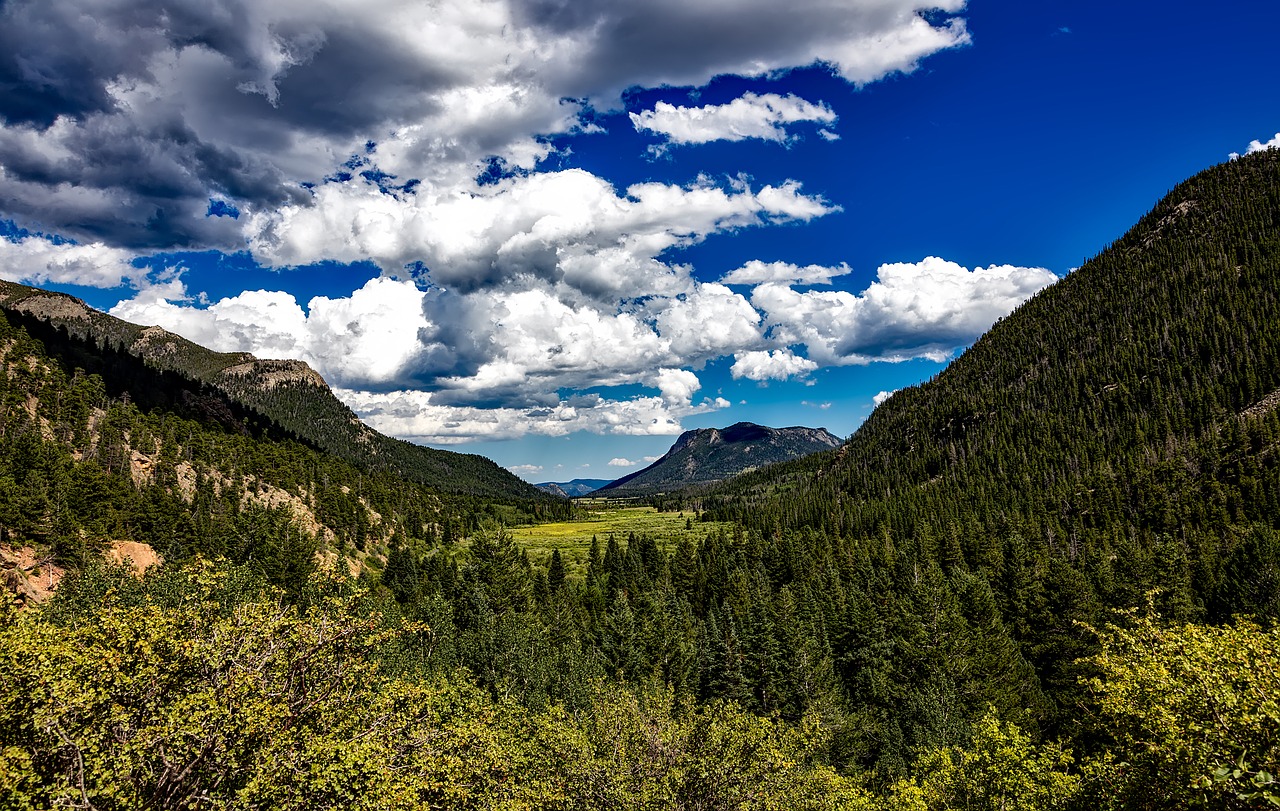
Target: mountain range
x=1018 y=583
x=573 y=489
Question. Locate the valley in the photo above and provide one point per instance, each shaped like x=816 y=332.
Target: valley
x=1049 y=577
x=599 y=518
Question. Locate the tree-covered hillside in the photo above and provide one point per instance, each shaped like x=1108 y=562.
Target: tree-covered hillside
x=146 y=455
x=288 y=393
x=1122 y=423
x=1047 y=579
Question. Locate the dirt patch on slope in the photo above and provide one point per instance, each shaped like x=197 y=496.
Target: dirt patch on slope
x=139 y=556
x=29 y=577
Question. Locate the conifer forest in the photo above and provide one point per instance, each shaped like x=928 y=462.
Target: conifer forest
x=1048 y=578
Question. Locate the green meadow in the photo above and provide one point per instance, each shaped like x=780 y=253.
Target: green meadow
x=604 y=518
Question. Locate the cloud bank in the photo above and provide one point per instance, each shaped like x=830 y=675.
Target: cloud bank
x=516 y=298
x=121 y=121
x=505 y=362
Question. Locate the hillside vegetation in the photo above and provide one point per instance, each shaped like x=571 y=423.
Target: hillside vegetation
x=152 y=456
x=1047 y=579
x=285 y=392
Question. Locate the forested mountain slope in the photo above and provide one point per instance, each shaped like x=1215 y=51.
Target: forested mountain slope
x=1117 y=434
x=289 y=393
x=1013 y=588
x=131 y=452
x=708 y=455
x=1132 y=404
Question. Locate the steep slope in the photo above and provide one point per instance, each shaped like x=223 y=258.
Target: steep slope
x=709 y=455
x=1128 y=394
x=1116 y=437
x=287 y=392
x=128 y=452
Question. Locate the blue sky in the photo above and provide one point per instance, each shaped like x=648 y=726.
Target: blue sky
x=558 y=233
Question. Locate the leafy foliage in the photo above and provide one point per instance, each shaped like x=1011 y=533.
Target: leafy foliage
x=182 y=695
x=1195 y=712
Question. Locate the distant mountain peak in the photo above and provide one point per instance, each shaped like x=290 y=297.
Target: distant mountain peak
x=708 y=455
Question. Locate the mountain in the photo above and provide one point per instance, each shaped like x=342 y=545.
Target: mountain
x=288 y=393
x=709 y=455
x=1140 y=391
x=1114 y=440
x=986 y=594
x=104 y=443
x=573 y=489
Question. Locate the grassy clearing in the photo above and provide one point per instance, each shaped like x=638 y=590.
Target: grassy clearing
x=573 y=538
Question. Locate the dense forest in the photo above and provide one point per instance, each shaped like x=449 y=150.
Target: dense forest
x=1048 y=578
x=155 y=457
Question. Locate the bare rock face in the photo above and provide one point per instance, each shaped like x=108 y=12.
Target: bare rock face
x=138 y=556
x=271 y=373
x=53 y=308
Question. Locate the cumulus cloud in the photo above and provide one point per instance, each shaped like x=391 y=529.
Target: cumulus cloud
x=367 y=339
x=38 y=260
x=527 y=357
x=1259 y=146
x=506 y=353
x=777 y=364
x=765 y=117
x=925 y=309
x=351 y=131
x=882 y=396
x=757 y=272
x=567 y=226
x=122 y=120
x=413 y=415
x=525 y=471
x=618 y=461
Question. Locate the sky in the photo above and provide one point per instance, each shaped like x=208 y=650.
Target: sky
x=560 y=232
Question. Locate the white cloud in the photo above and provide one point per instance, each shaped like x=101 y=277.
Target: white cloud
x=708 y=322
x=530 y=356
x=751 y=116
x=757 y=272
x=882 y=396
x=413 y=415
x=618 y=461
x=567 y=227
x=925 y=309
x=1259 y=146
x=158 y=109
x=367 y=339
x=778 y=364
x=677 y=385
x=36 y=260
x=525 y=471
x=540 y=283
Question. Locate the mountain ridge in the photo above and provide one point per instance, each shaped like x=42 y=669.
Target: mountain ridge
x=574 y=488
x=706 y=455
x=287 y=392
